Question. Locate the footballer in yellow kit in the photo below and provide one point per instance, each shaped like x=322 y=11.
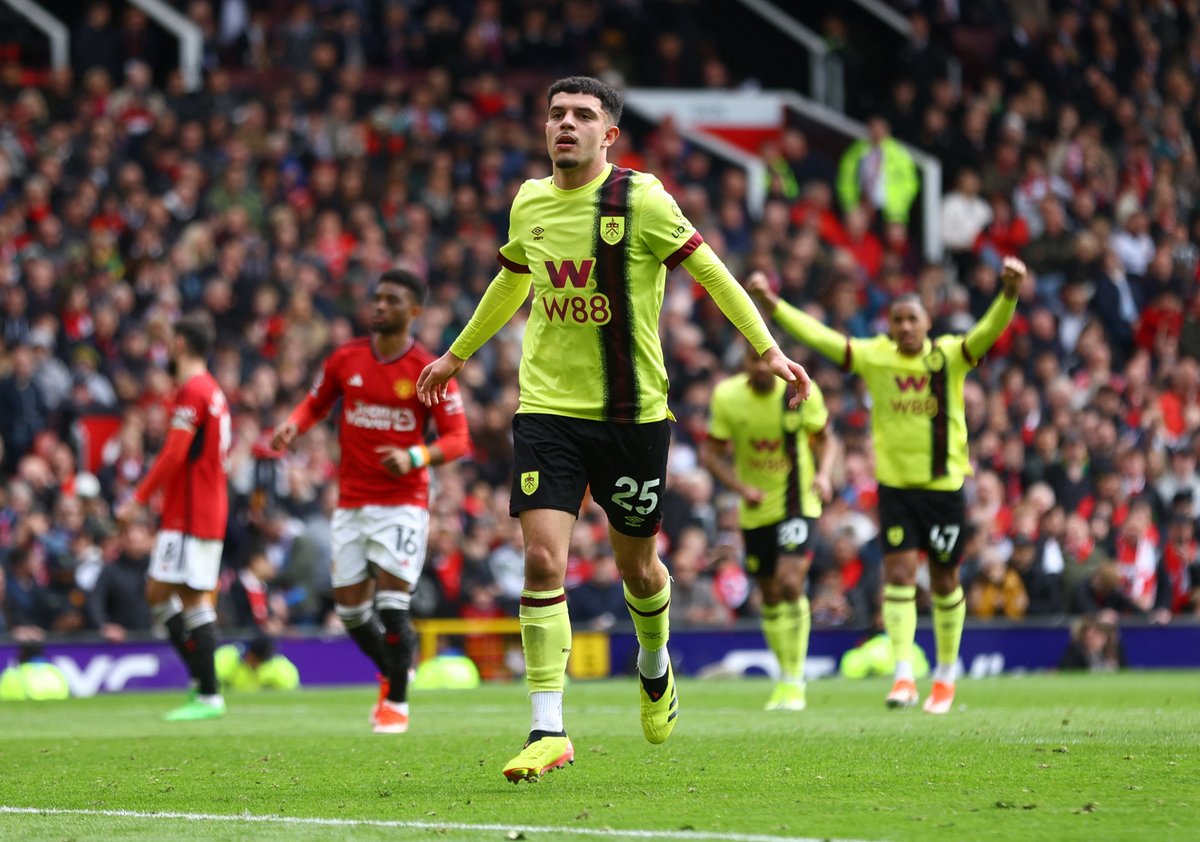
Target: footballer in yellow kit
x=919 y=429
x=594 y=243
x=781 y=463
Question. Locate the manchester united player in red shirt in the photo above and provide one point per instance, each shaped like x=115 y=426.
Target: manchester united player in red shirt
x=191 y=471
x=382 y=521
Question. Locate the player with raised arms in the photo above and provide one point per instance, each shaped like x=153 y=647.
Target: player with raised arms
x=919 y=430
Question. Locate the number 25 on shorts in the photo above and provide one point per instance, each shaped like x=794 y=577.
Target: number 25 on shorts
x=627 y=487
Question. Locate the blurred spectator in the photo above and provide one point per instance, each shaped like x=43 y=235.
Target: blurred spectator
x=1179 y=487
x=1178 y=572
x=1102 y=591
x=94 y=43
x=1041 y=582
x=1080 y=555
x=997 y=589
x=23 y=409
x=1006 y=235
x=117 y=602
x=599 y=602
x=31 y=609
x=806 y=163
x=253 y=604
x=733 y=587
x=1137 y=556
x=1118 y=300
x=693 y=599
x=964 y=216
x=1095 y=646
x=846 y=592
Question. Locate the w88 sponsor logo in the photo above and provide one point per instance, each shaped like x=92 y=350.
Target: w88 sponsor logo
x=577 y=308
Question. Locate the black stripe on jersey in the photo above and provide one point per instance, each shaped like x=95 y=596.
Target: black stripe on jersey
x=791 y=449
x=621 y=399
x=195 y=452
x=941 y=422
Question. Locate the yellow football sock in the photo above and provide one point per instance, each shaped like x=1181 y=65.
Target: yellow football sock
x=546 y=638
x=799 y=619
x=900 y=619
x=772 y=619
x=949 y=614
x=651 y=619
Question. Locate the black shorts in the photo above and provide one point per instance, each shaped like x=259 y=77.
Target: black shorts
x=556 y=459
x=915 y=519
x=765 y=544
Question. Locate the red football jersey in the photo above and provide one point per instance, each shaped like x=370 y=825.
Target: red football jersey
x=380 y=407
x=196 y=499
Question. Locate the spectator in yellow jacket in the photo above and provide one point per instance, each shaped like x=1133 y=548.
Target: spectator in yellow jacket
x=878 y=173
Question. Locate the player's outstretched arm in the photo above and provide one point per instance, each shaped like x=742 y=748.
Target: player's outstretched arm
x=826 y=449
x=434 y=383
x=800 y=325
x=714 y=456
x=302 y=419
x=170 y=461
x=708 y=270
x=987 y=330
x=501 y=300
x=315 y=406
x=285 y=434
x=789 y=371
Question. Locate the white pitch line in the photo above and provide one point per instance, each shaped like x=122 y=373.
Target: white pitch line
x=411 y=825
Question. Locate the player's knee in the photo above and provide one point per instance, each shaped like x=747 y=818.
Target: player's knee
x=772 y=593
x=900 y=568
x=354 y=594
x=542 y=563
x=943 y=578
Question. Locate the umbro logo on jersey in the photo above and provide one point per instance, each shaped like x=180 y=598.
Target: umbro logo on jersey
x=355 y=380
x=537 y=232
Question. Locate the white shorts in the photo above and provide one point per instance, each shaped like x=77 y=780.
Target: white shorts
x=180 y=559
x=392 y=538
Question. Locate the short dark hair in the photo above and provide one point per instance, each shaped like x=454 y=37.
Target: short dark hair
x=610 y=98
x=907 y=298
x=405 y=278
x=198 y=332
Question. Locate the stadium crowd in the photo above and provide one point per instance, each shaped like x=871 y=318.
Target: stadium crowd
x=321 y=151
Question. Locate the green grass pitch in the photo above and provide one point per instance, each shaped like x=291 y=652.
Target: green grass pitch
x=1038 y=757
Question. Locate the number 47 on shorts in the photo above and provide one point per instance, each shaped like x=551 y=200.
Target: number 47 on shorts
x=943 y=538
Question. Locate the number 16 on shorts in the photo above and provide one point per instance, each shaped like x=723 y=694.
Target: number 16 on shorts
x=393 y=538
